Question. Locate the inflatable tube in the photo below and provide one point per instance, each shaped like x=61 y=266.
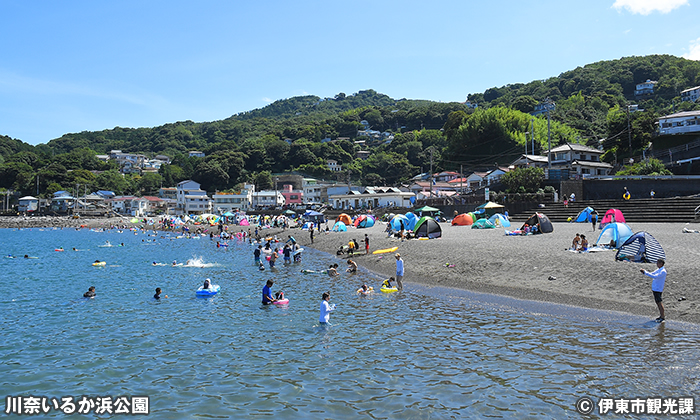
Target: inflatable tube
x=284 y=301
x=99 y=264
x=298 y=251
x=208 y=292
x=314 y=272
x=59 y=249
x=389 y=289
x=384 y=251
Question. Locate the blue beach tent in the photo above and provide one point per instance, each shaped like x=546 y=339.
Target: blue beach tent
x=412 y=220
x=339 y=227
x=640 y=247
x=584 y=215
x=499 y=220
x=617 y=232
x=396 y=222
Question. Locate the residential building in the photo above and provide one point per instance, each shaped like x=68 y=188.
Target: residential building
x=267 y=199
x=191 y=199
x=645 y=88
x=572 y=160
x=291 y=196
x=530 y=161
x=168 y=193
x=476 y=180
x=312 y=190
x=372 y=197
x=427 y=189
x=196 y=153
x=334 y=166
x=446 y=176
x=680 y=123
x=494 y=175
x=691 y=94
x=234 y=201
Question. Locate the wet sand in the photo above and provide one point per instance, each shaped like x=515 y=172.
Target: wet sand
x=537 y=267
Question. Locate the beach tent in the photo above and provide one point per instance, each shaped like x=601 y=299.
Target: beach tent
x=462 y=220
x=314 y=216
x=545 y=224
x=584 y=215
x=474 y=216
x=344 y=218
x=412 y=220
x=640 y=247
x=499 y=220
x=364 y=221
x=427 y=209
x=339 y=227
x=489 y=208
x=611 y=216
x=427 y=227
x=618 y=232
x=397 y=220
x=483 y=224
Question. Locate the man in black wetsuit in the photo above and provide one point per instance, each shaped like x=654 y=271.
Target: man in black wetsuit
x=90 y=293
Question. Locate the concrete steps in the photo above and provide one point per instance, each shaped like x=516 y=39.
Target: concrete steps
x=667 y=210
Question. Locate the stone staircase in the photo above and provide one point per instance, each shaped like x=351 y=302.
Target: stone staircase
x=646 y=210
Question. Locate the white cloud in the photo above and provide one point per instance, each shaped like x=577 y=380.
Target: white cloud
x=645 y=7
x=267 y=100
x=693 y=50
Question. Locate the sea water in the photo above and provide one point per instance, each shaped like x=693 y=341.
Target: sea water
x=425 y=353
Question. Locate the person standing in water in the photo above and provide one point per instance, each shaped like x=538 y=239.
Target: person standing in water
x=399 y=271
x=326 y=308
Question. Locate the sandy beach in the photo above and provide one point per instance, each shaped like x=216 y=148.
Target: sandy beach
x=488 y=261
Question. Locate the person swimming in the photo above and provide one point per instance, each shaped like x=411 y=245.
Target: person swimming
x=364 y=290
x=90 y=293
x=207 y=284
x=387 y=283
x=157 y=295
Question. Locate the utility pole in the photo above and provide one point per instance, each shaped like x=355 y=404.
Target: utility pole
x=430 y=177
x=549 y=105
x=532 y=134
x=629 y=132
x=461 y=178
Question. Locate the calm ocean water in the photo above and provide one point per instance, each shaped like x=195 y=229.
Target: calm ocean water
x=427 y=353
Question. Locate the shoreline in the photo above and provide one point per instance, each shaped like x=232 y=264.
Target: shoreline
x=488 y=261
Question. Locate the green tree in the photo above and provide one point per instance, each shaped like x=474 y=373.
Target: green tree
x=530 y=179
x=651 y=166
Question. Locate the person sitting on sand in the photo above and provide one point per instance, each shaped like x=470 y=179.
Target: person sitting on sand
x=575 y=243
x=90 y=293
x=584 y=244
x=364 y=290
x=352 y=267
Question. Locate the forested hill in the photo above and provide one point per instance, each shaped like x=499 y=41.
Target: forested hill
x=584 y=96
x=292 y=134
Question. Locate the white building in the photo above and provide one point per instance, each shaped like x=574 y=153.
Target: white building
x=579 y=160
x=268 y=199
x=28 y=204
x=191 y=199
x=645 y=88
x=196 y=153
x=680 y=123
x=334 y=166
x=691 y=94
x=372 y=197
x=233 y=201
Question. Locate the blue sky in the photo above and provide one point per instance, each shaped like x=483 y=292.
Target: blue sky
x=69 y=66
